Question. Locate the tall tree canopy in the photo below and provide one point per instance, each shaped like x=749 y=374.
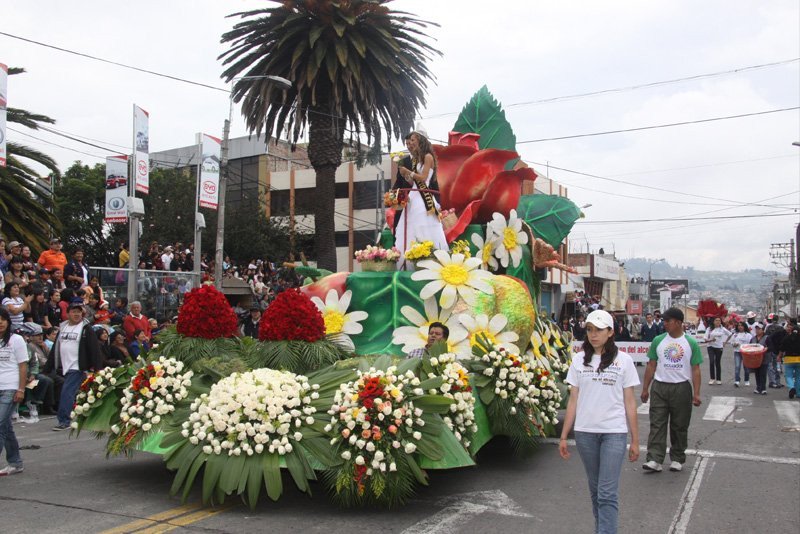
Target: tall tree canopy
x=354 y=65
x=26 y=203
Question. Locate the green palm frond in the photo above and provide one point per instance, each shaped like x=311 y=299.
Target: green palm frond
x=358 y=61
x=26 y=118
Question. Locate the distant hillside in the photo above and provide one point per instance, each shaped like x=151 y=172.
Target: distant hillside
x=749 y=279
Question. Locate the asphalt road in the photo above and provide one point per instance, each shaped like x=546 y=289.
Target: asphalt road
x=743 y=475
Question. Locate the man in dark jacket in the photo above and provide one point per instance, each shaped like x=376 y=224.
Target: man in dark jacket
x=251 y=324
x=75 y=352
x=775 y=334
x=650 y=328
x=76 y=272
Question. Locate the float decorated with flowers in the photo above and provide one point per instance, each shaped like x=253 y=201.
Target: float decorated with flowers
x=328 y=392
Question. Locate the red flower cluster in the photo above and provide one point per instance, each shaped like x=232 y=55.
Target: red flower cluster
x=88 y=383
x=291 y=317
x=206 y=313
x=142 y=378
x=372 y=390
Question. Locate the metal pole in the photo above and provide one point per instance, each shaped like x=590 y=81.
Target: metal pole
x=133 y=222
x=197 y=230
x=792 y=282
x=223 y=182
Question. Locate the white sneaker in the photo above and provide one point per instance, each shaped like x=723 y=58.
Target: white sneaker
x=652 y=466
x=14 y=416
x=33 y=412
x=10 y=470
x=29 y=420
x=711 y=382
x=719 y=382
x=736 y=384
x=746 y=382
x=675 y=466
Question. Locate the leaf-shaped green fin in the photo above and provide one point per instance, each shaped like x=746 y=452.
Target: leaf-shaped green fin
x=484 y=115
x=550 y=216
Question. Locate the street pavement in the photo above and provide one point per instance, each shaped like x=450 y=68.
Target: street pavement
x=742 y=475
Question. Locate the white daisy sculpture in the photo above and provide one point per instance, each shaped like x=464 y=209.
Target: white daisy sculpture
x=486 y=250
x=510 y=238
x=338 y=323
x=416 y=337
x=492 y=329
x=454 y=276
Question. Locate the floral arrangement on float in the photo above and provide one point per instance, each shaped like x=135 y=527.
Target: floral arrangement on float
x=205 y=336
x=375 y=258
x=301 y=335
x=151 y=395
x=419 y=250
x=97 y=403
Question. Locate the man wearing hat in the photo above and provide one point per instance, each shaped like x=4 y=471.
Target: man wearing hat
x=166 y=257
x=75 y=352
x=674 y=372
x=250 y=324
x=52 y=258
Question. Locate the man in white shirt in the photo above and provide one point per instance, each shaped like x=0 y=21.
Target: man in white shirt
x=675 y=360
x=166 y=258
x=75 y=352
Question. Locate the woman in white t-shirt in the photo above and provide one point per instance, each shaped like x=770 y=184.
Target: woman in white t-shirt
x=602 y=407
x=16 y=305
x=13 y=376
x=741 y=337
x=716 y=336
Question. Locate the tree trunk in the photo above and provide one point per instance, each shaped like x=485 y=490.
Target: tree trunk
x=325 y=139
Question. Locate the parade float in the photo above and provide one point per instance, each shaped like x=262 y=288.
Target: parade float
x=328 y=392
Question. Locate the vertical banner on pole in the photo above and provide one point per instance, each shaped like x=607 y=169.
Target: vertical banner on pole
x=116 y=189
x=3 y=105
x=209 y=172
x=141 y=147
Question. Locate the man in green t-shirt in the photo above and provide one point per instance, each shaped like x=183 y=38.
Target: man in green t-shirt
x=675 y=360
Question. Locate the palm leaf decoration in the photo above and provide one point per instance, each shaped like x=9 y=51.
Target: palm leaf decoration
x=355 y=65
x=26 y=202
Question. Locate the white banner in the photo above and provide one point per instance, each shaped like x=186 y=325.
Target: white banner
x=141 y=147
x=636 y=349
x=3 y=104
x=116 y=189
x=209 y=172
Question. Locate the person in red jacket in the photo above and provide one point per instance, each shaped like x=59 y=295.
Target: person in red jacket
x=134 y=321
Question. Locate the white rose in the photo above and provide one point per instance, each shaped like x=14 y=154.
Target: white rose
x=346 y=455
x=410 y=448
x=360 y=460
x=392 y=467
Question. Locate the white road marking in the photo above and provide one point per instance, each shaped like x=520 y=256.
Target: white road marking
x=681 y=520
x=704 y=453
x=788 y=415
x=722 y=408
x=460 y=508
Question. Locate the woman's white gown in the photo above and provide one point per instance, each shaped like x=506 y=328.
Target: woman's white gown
x=422 y=226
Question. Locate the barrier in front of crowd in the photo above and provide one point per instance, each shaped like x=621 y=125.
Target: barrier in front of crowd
x=160 y=292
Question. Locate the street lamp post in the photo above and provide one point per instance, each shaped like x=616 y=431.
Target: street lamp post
x=649 y=281
x=223 y=179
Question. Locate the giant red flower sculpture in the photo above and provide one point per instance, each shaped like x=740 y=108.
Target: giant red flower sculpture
x=206 y=313
x=475 y=183
x=291 y=316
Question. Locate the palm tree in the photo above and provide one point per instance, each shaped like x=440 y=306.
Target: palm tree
x=354 y=65
x=26 y=205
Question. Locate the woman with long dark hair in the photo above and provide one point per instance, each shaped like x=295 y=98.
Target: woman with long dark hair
x=740 y=337
x=13 y=378
x=118 y=351
x=602 y=407
x=422 y=210
x=39 y=309
x=15 y=304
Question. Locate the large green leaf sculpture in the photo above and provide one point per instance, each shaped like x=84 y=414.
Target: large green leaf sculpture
x=484 y=115
x=550 y=216
x=382 y=295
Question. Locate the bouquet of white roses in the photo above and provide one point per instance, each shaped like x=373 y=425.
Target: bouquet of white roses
x=456 y=386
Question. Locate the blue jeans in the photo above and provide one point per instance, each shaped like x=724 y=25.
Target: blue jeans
x=602 y=456
x=774 y=371
x=792 y=373
x=8 y=439
x=737 y=362
x=72 y=381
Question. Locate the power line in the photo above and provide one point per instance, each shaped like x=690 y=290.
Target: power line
x=705 y=165
x=633 y=87
x=55 y=144
x=655 y=126
x=688 y=218
x=634 y=184
x=117 y=63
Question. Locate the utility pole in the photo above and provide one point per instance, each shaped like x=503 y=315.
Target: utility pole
x=783 y=255
x=219 y=255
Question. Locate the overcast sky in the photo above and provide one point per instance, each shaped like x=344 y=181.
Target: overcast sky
x=524 y=51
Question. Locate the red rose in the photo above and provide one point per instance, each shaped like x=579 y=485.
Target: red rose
x=206 y=313
x=291 y=316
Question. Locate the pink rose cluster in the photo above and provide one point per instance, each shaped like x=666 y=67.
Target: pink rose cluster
x=375 y=253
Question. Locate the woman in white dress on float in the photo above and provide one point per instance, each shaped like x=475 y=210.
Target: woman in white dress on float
x=422 y=210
